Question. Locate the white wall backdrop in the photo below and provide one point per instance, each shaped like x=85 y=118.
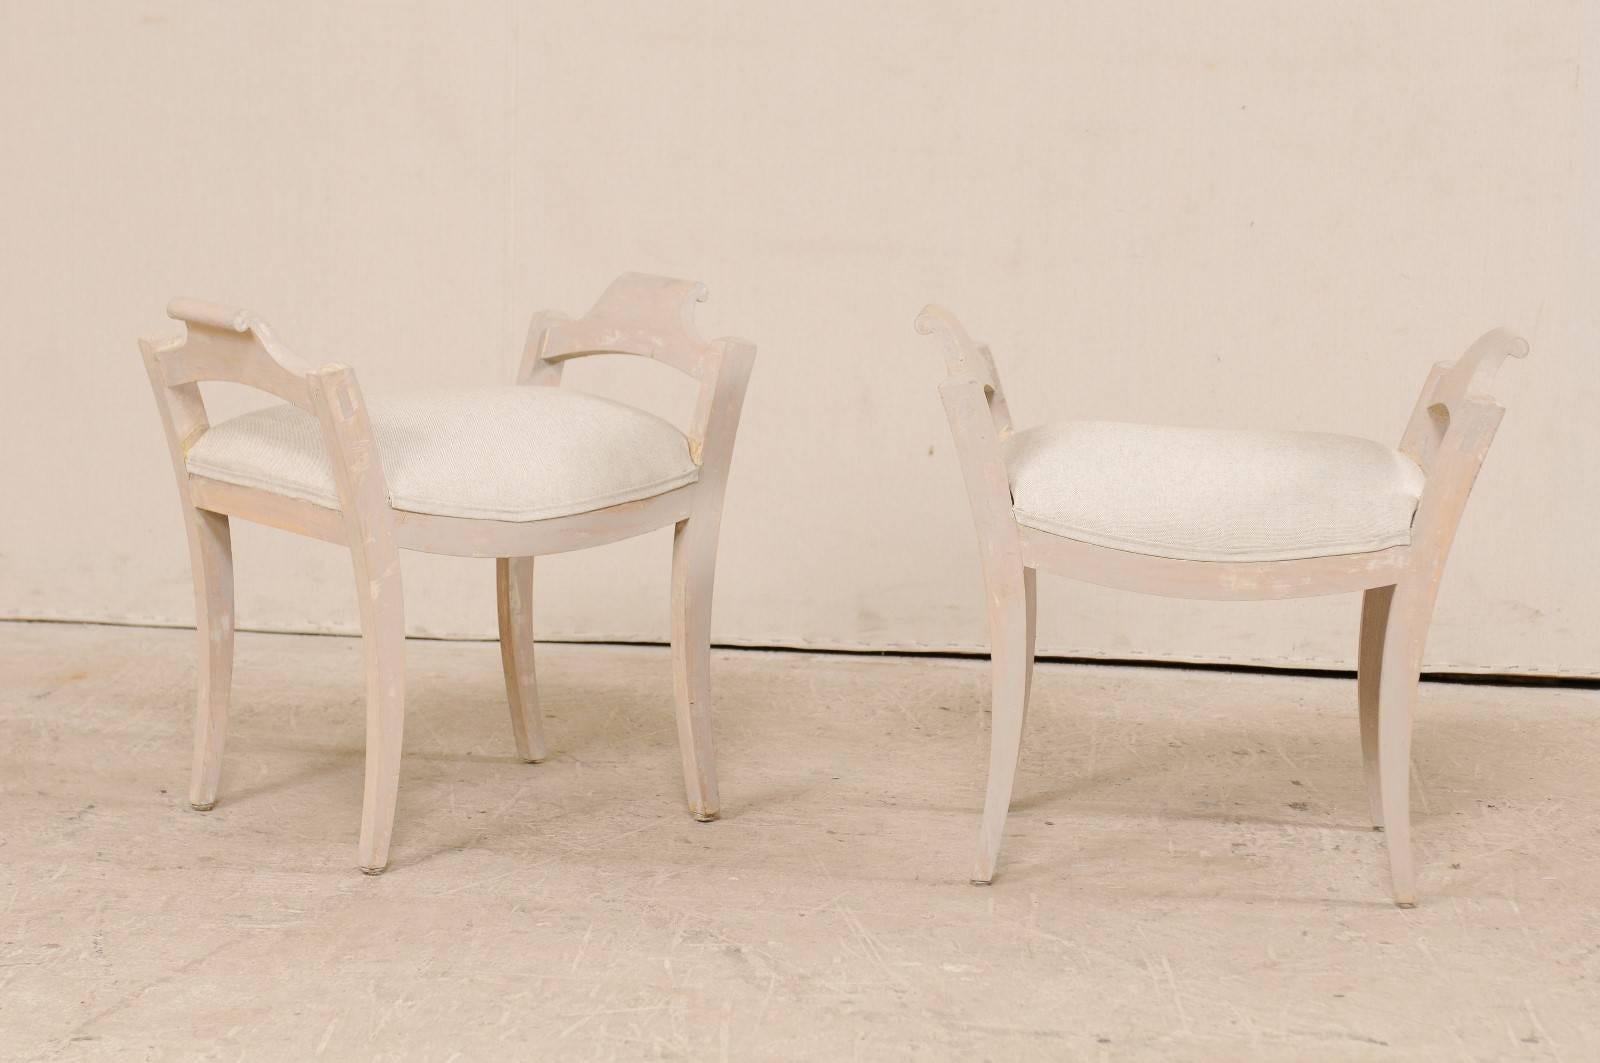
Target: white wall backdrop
x=1233 y=213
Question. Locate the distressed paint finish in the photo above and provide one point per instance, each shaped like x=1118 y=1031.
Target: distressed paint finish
x=1448 y=435
x=638 y=314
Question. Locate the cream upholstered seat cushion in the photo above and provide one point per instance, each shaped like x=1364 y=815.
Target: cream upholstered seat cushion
x=502 y=453
x=1204 y=494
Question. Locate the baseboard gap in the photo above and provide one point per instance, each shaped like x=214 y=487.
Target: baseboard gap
x=1513 y=679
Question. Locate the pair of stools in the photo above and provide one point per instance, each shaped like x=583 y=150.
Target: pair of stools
x=517 y=471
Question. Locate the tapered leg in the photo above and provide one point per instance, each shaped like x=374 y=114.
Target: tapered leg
x=211 y=550
x=375 y=558
x=1030 y=585
x=514 y=594
x=1369 y=671
x=1405 y=633
x=694 y=558
x=1011 y=633
x=383 y=634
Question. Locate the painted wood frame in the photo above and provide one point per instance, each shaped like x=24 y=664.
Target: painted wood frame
x=639 y=315
x=1448 y=435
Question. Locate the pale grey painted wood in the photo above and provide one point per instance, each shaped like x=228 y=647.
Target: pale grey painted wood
x=637 y=314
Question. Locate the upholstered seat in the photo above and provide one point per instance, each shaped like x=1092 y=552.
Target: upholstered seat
x=1204 y=494
x=514 y=453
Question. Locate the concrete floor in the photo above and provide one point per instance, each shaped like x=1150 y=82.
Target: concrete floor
x=1187 y=873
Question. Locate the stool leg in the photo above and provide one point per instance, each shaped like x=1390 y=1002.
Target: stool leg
x=383 y=637
x=375 y=559
x=694 y=559
x=211 y=556
x=514 y=597
x=1405 y=633
x=1012 y=610
x=1369 y=670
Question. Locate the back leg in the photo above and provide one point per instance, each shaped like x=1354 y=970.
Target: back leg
x=211 y=557
x=1369 y=675
x=694 y=560
x=514 y=596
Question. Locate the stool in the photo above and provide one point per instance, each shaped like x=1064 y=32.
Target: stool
x=504 y=472
x=1225 y=515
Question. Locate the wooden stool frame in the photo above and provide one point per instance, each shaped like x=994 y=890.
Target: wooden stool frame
x=650 y=317
x=1448 y=435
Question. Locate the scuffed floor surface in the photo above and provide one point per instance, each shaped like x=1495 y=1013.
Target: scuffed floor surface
x=1187 y=873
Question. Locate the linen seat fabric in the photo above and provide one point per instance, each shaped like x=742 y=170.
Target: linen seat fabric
x=514 y=453
x=1203 y=494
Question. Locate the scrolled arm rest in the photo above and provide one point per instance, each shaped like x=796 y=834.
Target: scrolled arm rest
x=966 y=359
x=1457 y=401
x=638 y=314
x=212 y=315
x=1477 y=368
x=960 y=349
x=650 y=301
x=230 y=344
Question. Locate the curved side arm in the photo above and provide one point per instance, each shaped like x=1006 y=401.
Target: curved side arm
x=979 y=423
x=653 y=317
x=357 y=469
x=234 y=345
x=536 y=368
x=638 y=313
x=1474 y=372
x=962 y=354
x=1450 y=433
x=649 y=301
x=1458 y=398
x=967 y=359
x=715 y=421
